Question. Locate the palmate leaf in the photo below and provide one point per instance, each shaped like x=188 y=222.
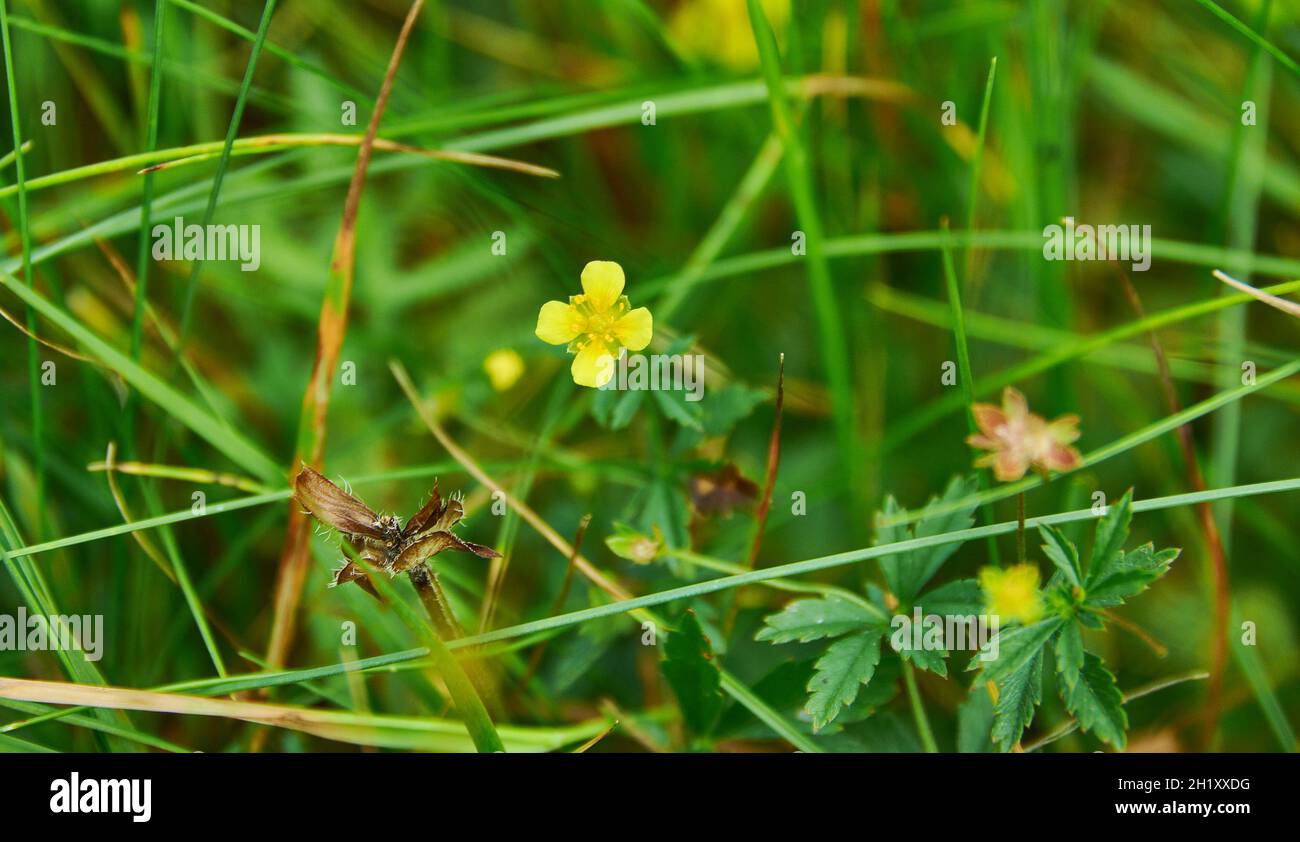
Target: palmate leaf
x=813 y=619
x=1017 y=673
x=906 y=573
x=1112 y=532
x=962 y=598
x=1014 y=648
x=693 y=674
x=1128 y=574
x=848 y=664
x=1018 y=694
x=1097 y=703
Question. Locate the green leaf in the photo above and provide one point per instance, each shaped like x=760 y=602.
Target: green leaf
x=1061 y=552
x=882 y=689
x=1069 y=654
x=847 y=665
x=1097 y=703
x=728 y=406
x=812 y=619
x=1018 y=695
x=693 y=674
x=1112 y=532
x=930 y=660
x=664 y=508
x=625 y=408
x=632 y=545
x=675 y=406
x=1012 y=649
x=906 y=573
x=1129 y=574
x=961 y=598
x=975 y=721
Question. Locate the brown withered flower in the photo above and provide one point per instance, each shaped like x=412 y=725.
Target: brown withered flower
x=382 y=540
x=1018 y=440
x=722 y=491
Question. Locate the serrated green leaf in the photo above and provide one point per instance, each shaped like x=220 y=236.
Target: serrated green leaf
x=871 y=697
x=961 y=598
x=906 y=573
x=1069 y=654
x=693 y=674
x=930 y=660
x=812 y=619
x=1018 y=694
x=1129 y=575
x=848 y=664
x=1097 y=703
x=1014 y=648
x=1111 y=533
x=1062 y=553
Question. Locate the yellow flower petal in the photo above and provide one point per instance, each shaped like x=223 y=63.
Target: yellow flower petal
x=1012 y=593
x=593 y=366
x=602 y=281
x=558 y=323
x=504 y=367
x=634 y=329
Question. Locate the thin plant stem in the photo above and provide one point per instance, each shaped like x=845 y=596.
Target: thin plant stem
x=918 y=710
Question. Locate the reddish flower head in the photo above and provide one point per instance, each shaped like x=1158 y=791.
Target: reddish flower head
x=1018 y=440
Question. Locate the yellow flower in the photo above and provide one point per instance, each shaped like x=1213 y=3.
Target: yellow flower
x=720 y=29
x=1018 y=440
x=596 y=325
x=504 y=367
x=1012 y=593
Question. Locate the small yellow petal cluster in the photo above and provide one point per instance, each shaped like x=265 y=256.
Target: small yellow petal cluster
x=596 y=325
x=1011 y=593
x=504 y=367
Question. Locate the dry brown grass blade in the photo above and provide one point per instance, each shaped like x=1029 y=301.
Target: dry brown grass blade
x=53 y=346
x=147 y=545
x=399 y=732
x=1289 y=307
x=289 y=140
x=331 y=329
x=582 y=749
x=202 y=476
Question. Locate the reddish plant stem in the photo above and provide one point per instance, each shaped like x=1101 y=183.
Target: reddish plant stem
x=1214 y=545
x=769 y=485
